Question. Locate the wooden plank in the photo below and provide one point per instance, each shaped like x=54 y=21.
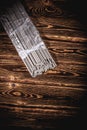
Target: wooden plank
x=57 y=99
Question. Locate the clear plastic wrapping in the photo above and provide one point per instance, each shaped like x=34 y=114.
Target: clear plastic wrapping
x=27 y=40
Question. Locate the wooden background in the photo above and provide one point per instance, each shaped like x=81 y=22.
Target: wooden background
x=58 y=98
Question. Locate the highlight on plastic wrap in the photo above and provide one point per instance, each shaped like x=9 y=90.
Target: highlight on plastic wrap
x=27 y=40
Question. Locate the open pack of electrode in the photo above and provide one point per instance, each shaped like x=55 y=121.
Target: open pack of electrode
x=26 y=39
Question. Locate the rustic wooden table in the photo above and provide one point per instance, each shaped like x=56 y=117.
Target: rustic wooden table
x=58 y=98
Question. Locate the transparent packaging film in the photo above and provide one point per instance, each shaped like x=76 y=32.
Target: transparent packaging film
x=26 y=39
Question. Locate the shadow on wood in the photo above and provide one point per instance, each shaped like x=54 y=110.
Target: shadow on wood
x=57 y=99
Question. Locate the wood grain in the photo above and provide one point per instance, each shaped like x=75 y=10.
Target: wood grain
x=57 y=99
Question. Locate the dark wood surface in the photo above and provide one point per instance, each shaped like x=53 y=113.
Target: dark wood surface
x=58 y=98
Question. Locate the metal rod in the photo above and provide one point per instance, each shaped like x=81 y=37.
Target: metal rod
x=27 y=40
